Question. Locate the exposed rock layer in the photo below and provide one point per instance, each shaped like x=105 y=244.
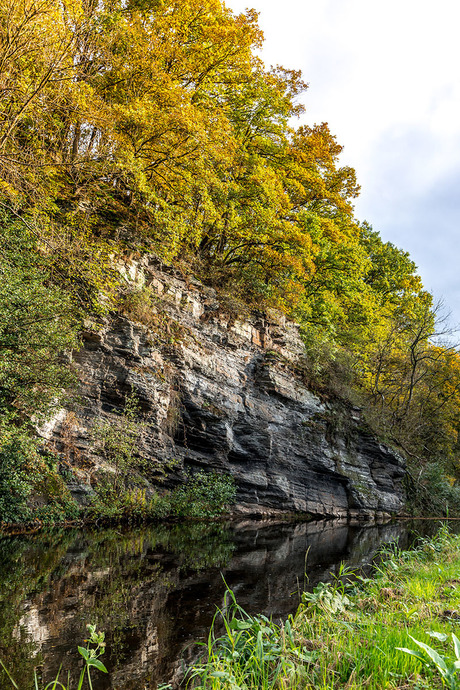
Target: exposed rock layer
x=225 y=393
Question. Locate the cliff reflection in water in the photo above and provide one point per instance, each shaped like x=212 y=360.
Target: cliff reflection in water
x=154 y=591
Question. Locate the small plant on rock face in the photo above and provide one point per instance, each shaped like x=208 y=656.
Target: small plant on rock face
x=139 y=306
x=118 y=441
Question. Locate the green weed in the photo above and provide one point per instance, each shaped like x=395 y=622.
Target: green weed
x=253 y=652
x=345 y=634
x=95 y=648
x=447 y=668
x=204 y=495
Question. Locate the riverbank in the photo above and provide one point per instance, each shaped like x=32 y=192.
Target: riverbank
x=346 y=634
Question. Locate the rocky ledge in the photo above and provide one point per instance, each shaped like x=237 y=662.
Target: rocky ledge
x=225 y=393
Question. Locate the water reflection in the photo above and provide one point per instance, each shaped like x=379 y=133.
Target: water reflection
x=154 y=591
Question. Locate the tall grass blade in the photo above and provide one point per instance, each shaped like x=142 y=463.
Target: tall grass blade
x=8 y=674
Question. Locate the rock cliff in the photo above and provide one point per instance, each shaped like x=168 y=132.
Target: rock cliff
x=222 y=392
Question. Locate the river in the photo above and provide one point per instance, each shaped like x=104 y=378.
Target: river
x=154 y=590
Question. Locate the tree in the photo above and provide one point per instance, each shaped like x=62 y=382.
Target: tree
x=37 y=325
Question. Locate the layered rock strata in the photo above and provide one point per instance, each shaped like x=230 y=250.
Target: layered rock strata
x=224 y=392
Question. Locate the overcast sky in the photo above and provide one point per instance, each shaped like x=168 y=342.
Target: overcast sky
x=386 y=77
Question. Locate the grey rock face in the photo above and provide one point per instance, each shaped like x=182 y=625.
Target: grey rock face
x=224 y=393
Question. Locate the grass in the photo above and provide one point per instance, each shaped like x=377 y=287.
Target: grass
x=347 y=634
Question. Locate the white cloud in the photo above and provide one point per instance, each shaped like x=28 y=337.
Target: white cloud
x=385 y=77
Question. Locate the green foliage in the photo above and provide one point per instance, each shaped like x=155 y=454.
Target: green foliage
x=53 y=500
x=447 y=668
x=138 y=305
x=204 y=495
x=37 y=325
x=433 y=492
x=326 y=598
x=18 y=460
x=125 y=504
x=177 y=138
x=333 y=643
x=30 y=486
x=95 y=647
x=253 y=652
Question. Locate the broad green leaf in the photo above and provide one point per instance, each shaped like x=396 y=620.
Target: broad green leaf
x=442 y=637
x=84 y=652
x=456 y=645
x=97 y=664
x=432 y=653
x=236 y=624
x=413 y=652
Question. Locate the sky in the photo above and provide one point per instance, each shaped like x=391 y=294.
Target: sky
x=386 y=77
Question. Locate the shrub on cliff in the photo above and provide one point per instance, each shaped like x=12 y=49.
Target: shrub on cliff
x=204 y=495
x=37 y=325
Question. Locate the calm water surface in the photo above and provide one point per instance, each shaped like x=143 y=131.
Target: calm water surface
x=155 y=590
